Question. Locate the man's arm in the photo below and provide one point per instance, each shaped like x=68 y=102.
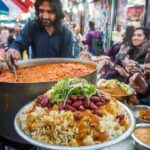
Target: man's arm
x=67 y=44
x=21 y=43
x=24 y=39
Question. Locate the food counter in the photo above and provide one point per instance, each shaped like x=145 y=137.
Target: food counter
x=87 y=107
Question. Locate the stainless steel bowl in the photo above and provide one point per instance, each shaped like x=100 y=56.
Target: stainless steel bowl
x=138 y=145
x=136 y=112
x=13 y=96
x=127 y=133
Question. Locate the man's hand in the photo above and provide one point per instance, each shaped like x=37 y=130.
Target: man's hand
x=138 y=83
x=12 y=56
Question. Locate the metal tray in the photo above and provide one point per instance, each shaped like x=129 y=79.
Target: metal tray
x=127 y=133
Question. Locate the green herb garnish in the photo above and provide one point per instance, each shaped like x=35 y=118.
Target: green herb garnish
x=76 y=87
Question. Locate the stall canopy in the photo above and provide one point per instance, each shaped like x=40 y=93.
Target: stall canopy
x=3 y=8
x=24 y=5
x=14 y=10
x=27 y=3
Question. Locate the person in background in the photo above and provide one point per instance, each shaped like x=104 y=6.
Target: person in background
x=116 y=48
x=4 y=37
x=78 y=47
x=121 y=46
x=78 y=34
x=92 y=33
x=17 y=29
x=72 y=25
x=117 y=35
x=139 y=46
x=136 y=53
x=47 y=34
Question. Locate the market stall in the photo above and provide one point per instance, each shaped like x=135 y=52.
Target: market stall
x=3 y=8
x=74 y=97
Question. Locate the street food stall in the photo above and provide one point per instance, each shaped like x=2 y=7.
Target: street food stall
x=58 y=104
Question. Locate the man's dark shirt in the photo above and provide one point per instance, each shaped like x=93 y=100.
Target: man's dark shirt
x=10 y=40
x=59 y=44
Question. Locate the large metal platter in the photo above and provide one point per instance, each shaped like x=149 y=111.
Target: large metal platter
x=27 y=138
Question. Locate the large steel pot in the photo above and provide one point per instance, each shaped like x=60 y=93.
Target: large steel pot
x=15 y=95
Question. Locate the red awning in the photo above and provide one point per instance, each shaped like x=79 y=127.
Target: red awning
x=23 y=4
x=28 y=3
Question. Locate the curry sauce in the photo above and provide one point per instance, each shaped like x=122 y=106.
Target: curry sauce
x=145 y=114
x=90 y=124
x=143 y=134
x=47 y=72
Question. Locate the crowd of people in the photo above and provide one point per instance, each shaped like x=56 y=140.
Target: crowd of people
x=7 y=36
x=127 y=60
x=131 y=62
x=49 y=36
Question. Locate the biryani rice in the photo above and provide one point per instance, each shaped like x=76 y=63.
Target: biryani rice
x=60 y=128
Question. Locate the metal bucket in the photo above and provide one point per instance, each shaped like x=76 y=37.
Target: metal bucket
x=15 y=95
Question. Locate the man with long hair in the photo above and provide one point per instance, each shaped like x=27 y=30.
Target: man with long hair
x=47 y=34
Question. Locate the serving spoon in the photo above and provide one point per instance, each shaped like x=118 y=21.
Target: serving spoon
x=15 y=73
x=14 y=69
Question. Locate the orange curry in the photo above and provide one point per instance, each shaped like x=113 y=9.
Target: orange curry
x=145 y=114
x=47 y=72
x=143 y=134
x=84 y=129
x=114 y=91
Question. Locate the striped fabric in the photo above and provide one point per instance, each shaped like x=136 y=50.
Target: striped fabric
x=14 y=10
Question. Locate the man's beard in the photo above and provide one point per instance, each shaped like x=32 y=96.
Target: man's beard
x=47 y=23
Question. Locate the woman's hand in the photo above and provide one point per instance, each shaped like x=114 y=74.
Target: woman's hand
x=138 y=83
x=133 y=69
x=131 y=66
